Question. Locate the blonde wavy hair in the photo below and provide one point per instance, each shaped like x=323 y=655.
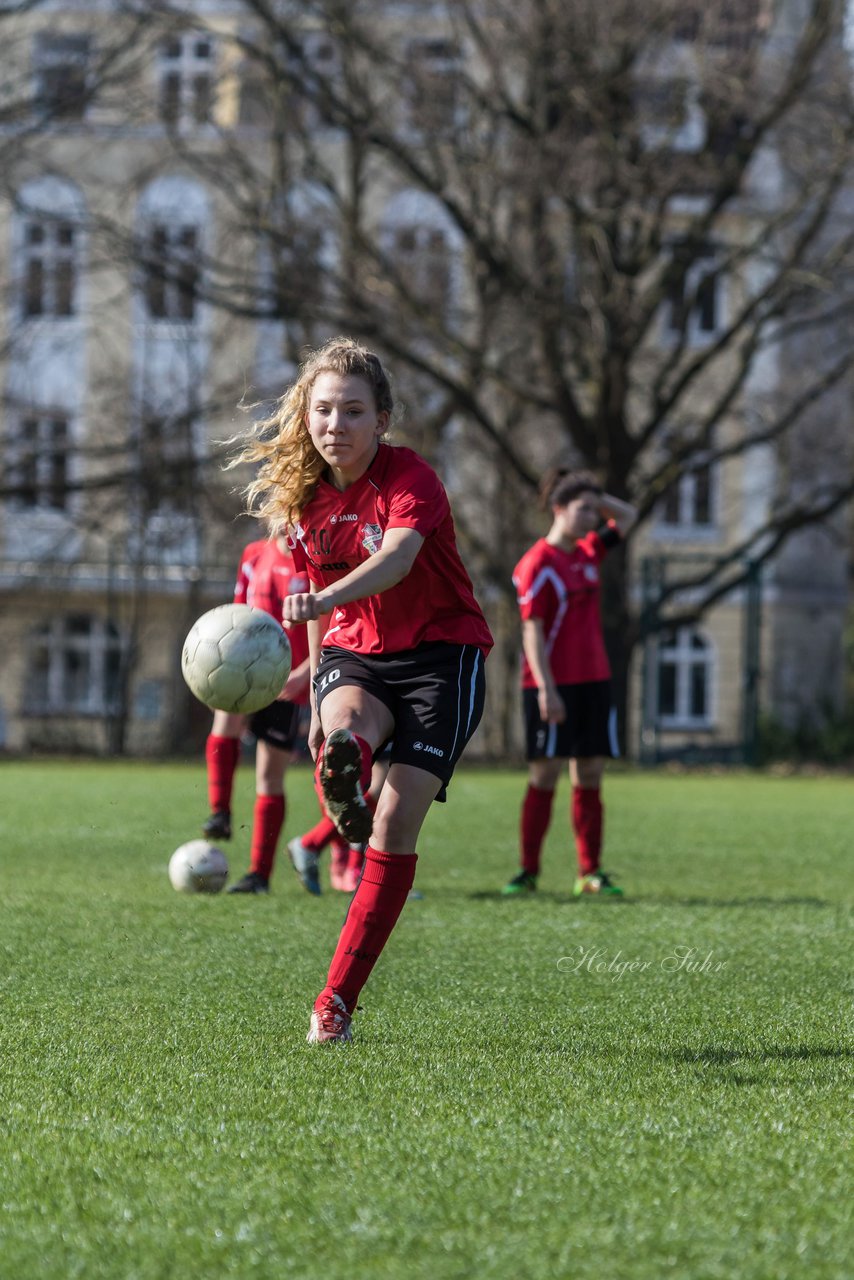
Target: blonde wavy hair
x=289 y=466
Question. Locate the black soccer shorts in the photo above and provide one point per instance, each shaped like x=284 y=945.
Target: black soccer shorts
x=278 y=725
x=435 y=694
x=590 y=727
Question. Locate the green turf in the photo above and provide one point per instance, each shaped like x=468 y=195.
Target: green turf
x=518 y=1103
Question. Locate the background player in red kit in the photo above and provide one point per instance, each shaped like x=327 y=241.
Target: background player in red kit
x=566 y=691
x=402 y=658
x=265 y=578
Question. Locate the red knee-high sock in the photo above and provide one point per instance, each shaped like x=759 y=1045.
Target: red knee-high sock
x=221 y=757
x=319 y=836
x=587 y=822
x=266 y=825
x=374 y=910
x=535 y=818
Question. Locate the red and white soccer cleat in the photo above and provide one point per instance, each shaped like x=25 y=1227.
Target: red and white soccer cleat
x=331 y=1023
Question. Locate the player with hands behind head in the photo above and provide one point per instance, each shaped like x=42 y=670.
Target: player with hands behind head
x=566 y=691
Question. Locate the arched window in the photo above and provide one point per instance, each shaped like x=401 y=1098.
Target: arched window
x=172 y=214
x=422 y=243
x=48 y=242
x=298 y=264
x=684 y=699
x=302 y=252
x=434 y=76
x=74 y=666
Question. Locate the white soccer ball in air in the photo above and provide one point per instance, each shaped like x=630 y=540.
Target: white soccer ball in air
x=198 y=867
x=236 y=658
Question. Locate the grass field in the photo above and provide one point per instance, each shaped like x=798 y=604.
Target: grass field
x=539 y=1088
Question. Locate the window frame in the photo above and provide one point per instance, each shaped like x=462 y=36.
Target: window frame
x=39 y=461
x=193 y=78
x=433 y=107
x=686 y=526
x=682 y=656
x=56 y=646
x=48 y=267
x=48 y=57
x=170 y=290
x=159 y=445
x=705 y=267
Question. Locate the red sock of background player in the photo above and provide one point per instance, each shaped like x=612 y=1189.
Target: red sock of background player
x=587 y=820
x=534 y=823
x=319 y=836
x=374 y=910
x=221 y=758
x=267 y=823
x=339 y=853
x=355 y=858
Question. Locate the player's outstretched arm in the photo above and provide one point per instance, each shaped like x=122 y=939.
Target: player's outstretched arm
x=386 y=569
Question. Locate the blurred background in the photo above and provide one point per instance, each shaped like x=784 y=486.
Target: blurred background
x=580 y=232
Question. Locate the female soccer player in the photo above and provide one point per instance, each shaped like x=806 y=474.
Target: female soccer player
x=566 y=691
x=264 y=578
x=402 y=658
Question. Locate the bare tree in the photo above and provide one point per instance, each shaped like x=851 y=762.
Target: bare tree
x=591 y=231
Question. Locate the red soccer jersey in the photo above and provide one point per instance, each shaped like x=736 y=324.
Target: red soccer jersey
x=338 y=531
x=265 y=576
x=561 y=588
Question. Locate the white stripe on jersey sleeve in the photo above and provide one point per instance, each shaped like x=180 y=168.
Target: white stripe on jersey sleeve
x=545 y=576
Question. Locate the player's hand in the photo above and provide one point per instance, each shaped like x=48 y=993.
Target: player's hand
x=302 y=606
x=550 y=706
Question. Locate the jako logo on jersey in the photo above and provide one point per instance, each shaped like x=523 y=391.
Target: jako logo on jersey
x=591 y=573
x=372 y=538
x=425 y=746
x=336 y=519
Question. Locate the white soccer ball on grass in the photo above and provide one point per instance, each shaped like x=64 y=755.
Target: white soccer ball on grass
x=236 y=658
x=198 y=867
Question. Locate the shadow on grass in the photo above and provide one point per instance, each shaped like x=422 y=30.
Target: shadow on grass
x=495 y=895
x=565 y=898
x=640 y=899
x=763 y=902
x=760 y=1067
x=717 y=1056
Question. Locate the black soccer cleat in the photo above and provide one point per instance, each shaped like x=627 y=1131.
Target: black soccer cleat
x=340 y=781
x=252 y=882
x=217 y=826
